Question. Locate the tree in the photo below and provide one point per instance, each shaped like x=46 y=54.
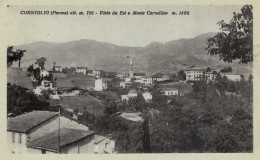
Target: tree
x=111 y=108
x=13 y=56
x=229 y=69
x=208 y=69
x=30 y=69
x=174 y=78
x=41 y=62
x=19 y=100
x=146 y=137
x=236 y=39
x=19 y=55
x=182 y=75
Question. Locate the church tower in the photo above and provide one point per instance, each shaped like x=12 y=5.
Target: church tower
x=131 y=71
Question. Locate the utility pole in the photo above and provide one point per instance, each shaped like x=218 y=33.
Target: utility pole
x=59 y=133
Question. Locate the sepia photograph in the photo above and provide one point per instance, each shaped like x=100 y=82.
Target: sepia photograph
x=122 y=79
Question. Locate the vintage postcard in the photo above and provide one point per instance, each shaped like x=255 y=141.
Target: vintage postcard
x=129 y=79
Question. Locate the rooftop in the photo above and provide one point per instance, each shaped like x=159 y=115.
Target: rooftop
x=168 y=88
x=81 y=68
x=23 y=123
x=67 y=136
x=139 y=74
x=99 y=138
x=194 y=68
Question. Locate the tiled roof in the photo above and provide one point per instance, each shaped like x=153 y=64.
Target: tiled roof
x=67 y=136
x=194 y=68
x=99 y=138
x=23 y=123
x=81 y=68
x=168 y=88
x=139 y=74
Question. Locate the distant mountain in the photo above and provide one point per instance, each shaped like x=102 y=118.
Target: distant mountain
x=155 y=57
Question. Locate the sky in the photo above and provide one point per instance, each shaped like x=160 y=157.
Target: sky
x=120 y=30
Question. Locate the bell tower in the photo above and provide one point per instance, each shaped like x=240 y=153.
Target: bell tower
x=131 y=71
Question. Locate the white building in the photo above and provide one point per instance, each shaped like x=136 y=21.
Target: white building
x=101 y=84
x=147 y=96
x=166 y=77
x=232 y=77
x=44 y=73
x=126 y=84
x=147 y=81
x=131 y=94
x=45 y=85
x=210 y=76
x=57 y=68
x=194 y=74
x=95 y=73
x=44 y=132
x=169 y=91
x=157 y=79
x=103 y=145
x=121 y=75
x=139 y=75
x=82 y=70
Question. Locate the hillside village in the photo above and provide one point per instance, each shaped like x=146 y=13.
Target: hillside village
x=81 y=90
x=181 y=96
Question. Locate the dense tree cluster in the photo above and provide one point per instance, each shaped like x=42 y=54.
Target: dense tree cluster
x=236 y=39
x=212 y=123
x=20 y=100
x=226 y=69
x=14 y=56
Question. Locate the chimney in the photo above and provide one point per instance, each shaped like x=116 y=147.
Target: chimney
x=75 y=114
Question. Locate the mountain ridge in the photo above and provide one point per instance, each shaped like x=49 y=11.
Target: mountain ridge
x=154 y=57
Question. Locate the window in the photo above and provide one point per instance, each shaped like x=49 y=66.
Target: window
x=20 y=138
x=43 y=151
x=106 y=144
x=13 y=137
x=28 y=138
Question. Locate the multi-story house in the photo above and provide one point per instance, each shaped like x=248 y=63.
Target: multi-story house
x=102 y=84
x=82 y=70
x=45 y=85
x=232 y=77
x=96 y=73
x=147 y=81
x=147 y=96
x=57 y=69
x=194 y=74
x=210 y=76
x=46 y=132
x=44 y=73
x=169 y=91
x=131 y=94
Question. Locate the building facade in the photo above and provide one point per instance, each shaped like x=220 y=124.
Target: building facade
x=131 y=94
x=147 y=81
x=82 y=70
x=169 y=91
x=194 y=74
x=232 y=77
x=46 y=132
x=45 y=85
x=101 y=84
x=147 y=96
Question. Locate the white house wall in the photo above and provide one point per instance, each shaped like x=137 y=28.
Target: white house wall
x=16 y=147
